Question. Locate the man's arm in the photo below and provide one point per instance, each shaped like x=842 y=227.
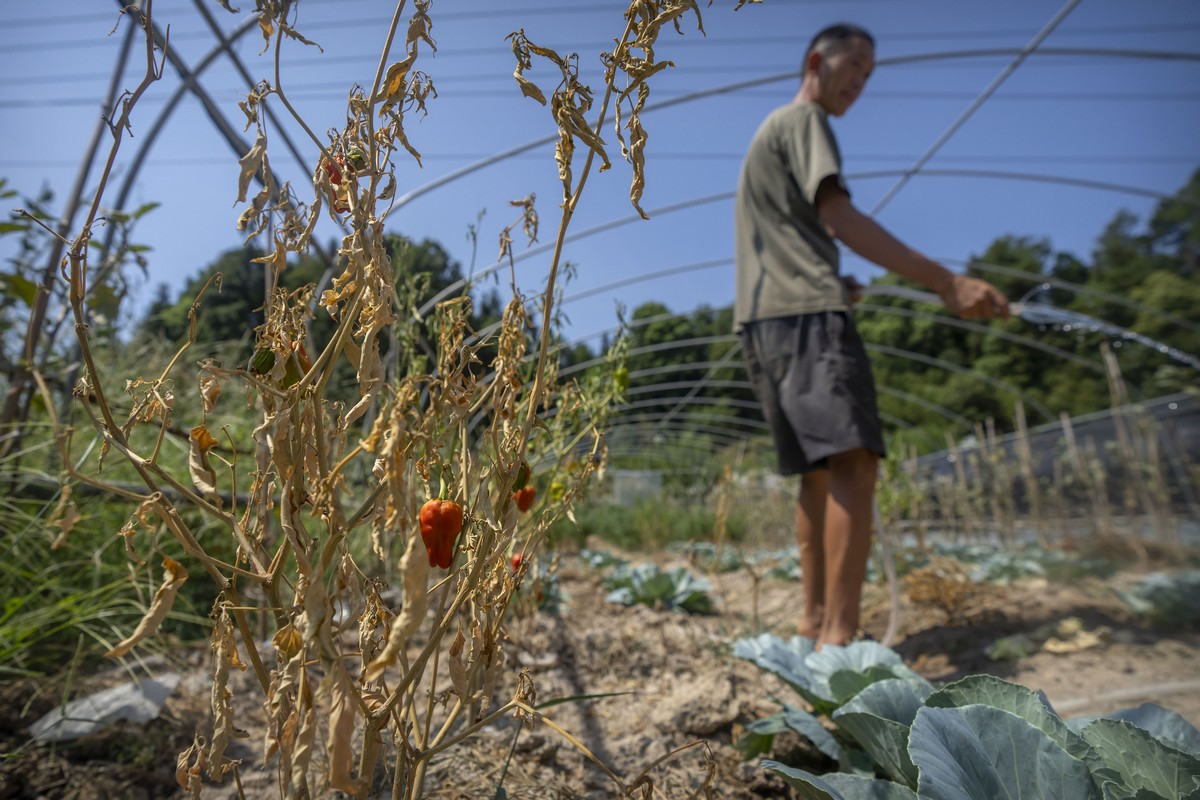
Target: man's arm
x=968 y=298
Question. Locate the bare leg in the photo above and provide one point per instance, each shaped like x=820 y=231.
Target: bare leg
x=847 y=542
x=810 y=534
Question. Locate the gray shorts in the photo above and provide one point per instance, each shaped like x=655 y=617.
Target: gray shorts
x=813 y=379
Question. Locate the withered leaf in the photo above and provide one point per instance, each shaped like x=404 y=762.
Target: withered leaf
x=221 y=699
x=414 y=565
x=458 y=667
x=203 y=476
x=255 y=157
x=302 y=748
x=174 y=576
x=188 y=766
x=393 y=82
x=64 y=516
x=343 y=711
x=210 y=387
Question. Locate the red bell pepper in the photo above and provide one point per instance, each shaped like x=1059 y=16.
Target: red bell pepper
x=441 y=522
x=524 y=498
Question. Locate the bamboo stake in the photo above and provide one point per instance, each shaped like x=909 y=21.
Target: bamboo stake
x=1097 y=498
x=1136 y=492
x=914 y=499
x=962 y=503
x=1033 y=493
x=1002 y=482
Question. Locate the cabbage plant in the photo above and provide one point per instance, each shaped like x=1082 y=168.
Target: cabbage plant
x=674 y=589
x=1167 y=598
x=980 y=738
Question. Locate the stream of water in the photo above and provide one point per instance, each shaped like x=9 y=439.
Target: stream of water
x=1043 y=314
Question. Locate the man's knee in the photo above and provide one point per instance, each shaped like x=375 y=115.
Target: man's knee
x=858 y=460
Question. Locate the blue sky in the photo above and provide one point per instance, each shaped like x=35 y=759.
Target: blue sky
x=1064 y=113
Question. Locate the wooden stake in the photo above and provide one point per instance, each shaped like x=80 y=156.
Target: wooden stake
x=1032 y=491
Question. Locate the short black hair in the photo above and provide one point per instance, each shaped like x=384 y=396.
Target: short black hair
x=836 y=35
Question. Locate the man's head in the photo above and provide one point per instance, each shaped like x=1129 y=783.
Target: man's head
x=836 y=67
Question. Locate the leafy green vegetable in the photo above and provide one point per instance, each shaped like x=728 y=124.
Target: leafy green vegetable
x=838 y=786
x=759 y=735
x=978 y=752
x=1167 y=597
x=648 y=585
x=980 y=738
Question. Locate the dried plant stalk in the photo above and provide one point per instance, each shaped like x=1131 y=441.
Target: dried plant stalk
x=323 y=515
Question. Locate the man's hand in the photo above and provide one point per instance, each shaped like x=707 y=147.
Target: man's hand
x=971 y=298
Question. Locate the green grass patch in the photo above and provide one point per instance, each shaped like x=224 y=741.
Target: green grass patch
x=648 y=525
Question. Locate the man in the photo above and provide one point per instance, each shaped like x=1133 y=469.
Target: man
x=803 y=353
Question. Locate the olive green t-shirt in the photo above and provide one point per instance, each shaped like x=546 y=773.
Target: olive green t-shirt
x=787 y=263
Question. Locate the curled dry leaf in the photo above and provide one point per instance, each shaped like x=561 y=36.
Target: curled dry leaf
x=375 y=619
x=391 y=91
x=523 y=51
x=142 y=517
x=272 y=13
x=255 y=158
x=174 y=576
x=188 y=767
x=568 y=105
x=252 y=103
x=403 y=87
x=288 y=641
x=280 y=733
x=419 y=26
x=637 y=146
x=526 y=693
x=389 y=190
x=458 y=667
x=646 y=20
x=203 y=476
x=414 y=565
x=224 y=656
x=64 y=516
x=306 y=734
x=343 y=712
x=494 y=660
x=152 y=401
x=210 y=386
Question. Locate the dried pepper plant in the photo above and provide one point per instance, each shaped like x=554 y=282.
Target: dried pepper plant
x=376 y=654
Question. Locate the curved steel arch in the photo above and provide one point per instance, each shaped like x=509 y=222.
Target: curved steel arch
x=752 y=83
x=753 y=425
x=188 y=85
x=660 y=387
x=898 y=352
x=667 y=437
x=1024 y=341
x=721 y=196
x=572 y=237
x=1031 y=401
x=899 y=394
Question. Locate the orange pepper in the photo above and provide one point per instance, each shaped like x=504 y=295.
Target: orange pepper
x=525 y=497
x=441 y=522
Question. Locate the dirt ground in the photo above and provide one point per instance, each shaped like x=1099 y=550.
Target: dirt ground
x=678 y=696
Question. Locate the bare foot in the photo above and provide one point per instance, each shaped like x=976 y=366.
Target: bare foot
x=837 y=638
x=809 y=630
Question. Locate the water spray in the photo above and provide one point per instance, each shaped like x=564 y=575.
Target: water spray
x=1044 y=314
